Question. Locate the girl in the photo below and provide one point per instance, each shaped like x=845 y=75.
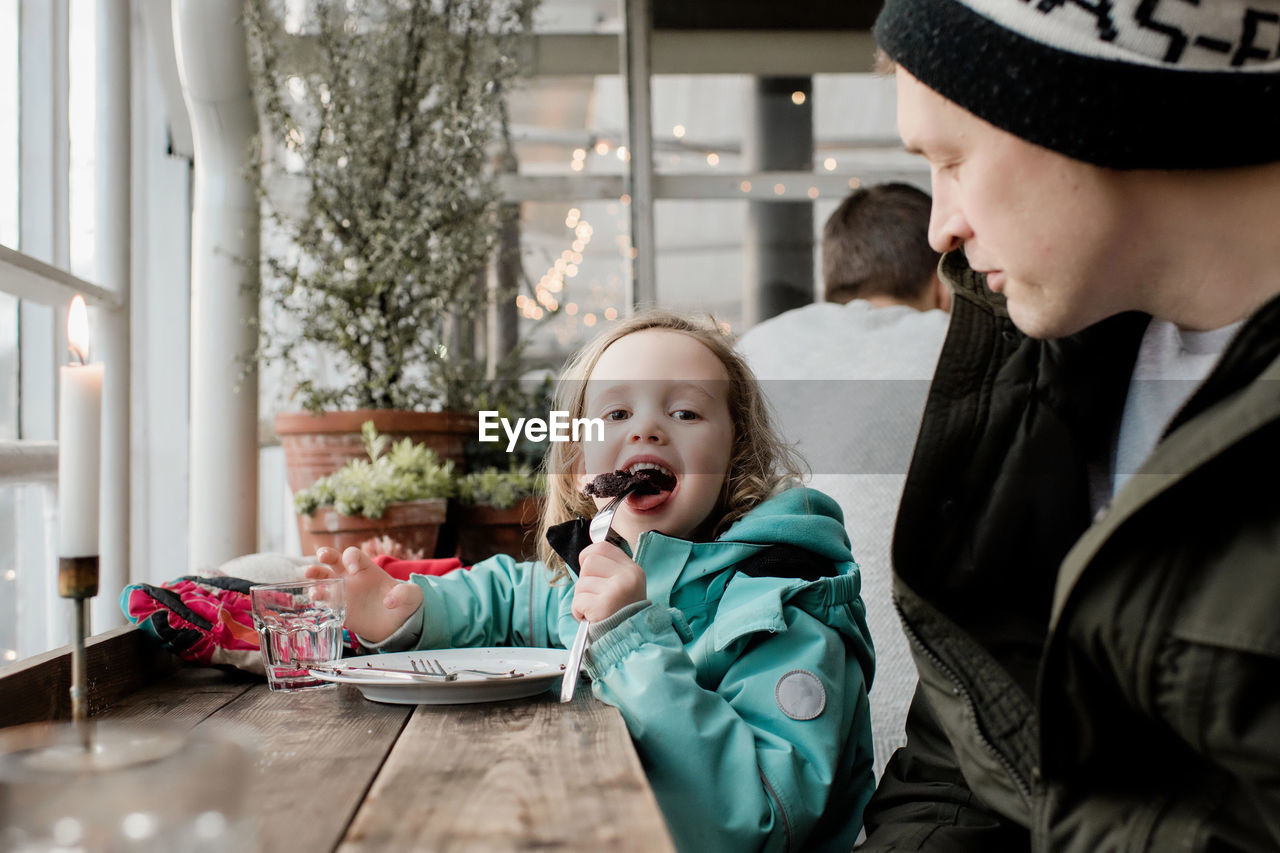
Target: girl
x=731 y=636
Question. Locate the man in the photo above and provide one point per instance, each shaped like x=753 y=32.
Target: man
x=1093 y=602
x=847 y=379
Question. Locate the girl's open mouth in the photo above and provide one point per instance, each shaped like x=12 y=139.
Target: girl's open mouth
x=650 y=484
x=658 y=483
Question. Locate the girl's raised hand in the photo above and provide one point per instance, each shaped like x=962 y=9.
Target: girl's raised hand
x=608 y=581
x=377 y=604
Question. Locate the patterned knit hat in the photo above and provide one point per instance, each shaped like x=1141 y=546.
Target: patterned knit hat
x=1127 y=84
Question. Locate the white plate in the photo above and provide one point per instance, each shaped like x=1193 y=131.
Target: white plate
x=539 y=670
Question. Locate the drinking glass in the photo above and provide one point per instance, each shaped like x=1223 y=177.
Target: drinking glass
x=299 y=625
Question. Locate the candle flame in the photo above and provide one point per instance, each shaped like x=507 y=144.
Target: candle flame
x=78 y=329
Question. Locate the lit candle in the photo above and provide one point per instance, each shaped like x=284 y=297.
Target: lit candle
x=79 y=458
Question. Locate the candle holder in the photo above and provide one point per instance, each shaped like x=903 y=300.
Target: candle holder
x=78 y=580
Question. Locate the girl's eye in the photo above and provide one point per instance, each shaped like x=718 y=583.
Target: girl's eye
x=685 y=415
x=616 y=415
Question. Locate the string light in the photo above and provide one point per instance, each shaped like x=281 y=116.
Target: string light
x=813 y=192
x=623 y=153
x=829 y=164
x=779 y=189
x=797 y=98
x=611 y=313
x=565 y=266
x=588 y=319
x=745 y=186
x=713 y=158
x=854 y=183
x=602 y=147
x=571 y=308
x=678 y=131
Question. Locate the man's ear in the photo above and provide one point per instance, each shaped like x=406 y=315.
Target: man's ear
x=941 y=294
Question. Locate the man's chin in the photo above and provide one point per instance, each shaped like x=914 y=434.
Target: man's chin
x=1042 y=324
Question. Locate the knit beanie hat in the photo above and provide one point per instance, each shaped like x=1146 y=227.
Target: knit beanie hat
x=1126 y=84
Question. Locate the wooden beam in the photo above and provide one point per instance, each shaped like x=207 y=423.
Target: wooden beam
x=756 y=186
x=28 y=462
x=33 y=280
x=782 y=53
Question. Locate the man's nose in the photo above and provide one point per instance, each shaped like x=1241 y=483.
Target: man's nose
x=948 y=227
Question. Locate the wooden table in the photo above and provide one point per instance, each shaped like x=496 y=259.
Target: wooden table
x=357 y=775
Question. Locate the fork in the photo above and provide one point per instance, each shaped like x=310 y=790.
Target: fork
x=432 y=666
x=601 y=530
x=387 y=672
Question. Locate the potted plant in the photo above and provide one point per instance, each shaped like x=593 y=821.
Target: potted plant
x=379 y=200
x=496 y=512
x=400 y=491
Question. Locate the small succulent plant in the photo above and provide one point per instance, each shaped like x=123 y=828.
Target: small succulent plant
x=501 y=489
x=394 y=472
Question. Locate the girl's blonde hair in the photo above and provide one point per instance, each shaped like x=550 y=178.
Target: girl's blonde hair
x=760 y=464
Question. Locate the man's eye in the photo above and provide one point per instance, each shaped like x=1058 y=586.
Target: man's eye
x=616 y=415
x=685 y=415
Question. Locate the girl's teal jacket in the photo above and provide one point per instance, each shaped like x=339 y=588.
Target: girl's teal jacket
x=746 y=695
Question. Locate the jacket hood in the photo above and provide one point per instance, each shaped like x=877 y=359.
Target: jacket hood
x=799 y=516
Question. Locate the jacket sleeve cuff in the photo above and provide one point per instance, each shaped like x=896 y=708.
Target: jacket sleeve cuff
x=599 y=629
x=636 y=625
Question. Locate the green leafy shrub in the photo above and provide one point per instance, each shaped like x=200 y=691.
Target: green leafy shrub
x=501 y=489
x=389 y=114
x=403 y=472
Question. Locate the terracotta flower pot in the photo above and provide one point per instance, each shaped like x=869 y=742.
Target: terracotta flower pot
x=316 y=445
x=414 y=524
x=483 y=531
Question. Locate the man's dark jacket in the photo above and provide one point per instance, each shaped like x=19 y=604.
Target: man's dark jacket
x=1088 y=681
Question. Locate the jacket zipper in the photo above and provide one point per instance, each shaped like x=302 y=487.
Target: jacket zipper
x=1023 y=788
